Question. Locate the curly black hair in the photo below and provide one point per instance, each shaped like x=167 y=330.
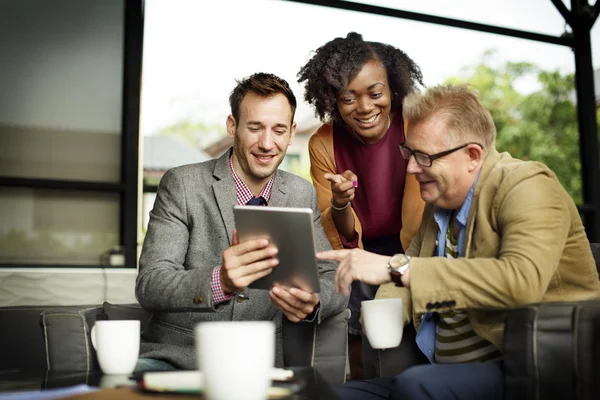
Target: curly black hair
x=335 y=64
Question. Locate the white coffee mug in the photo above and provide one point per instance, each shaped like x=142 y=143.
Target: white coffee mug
x=383 y=322
x=236 y=358
x=117 y=345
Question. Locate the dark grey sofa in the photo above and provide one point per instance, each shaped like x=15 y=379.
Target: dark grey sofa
x=56 y=338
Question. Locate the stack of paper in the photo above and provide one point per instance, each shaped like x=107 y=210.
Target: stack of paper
x=192 y=381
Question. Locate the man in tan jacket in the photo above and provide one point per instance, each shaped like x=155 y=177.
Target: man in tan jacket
x=496 y=233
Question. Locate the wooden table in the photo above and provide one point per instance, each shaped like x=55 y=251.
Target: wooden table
x=308 y=385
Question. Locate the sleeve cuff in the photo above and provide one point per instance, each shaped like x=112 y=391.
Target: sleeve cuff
x=312 y=317
x=218 y=295
x=350 y=244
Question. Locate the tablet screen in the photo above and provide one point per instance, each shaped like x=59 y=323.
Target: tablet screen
x=291 y=231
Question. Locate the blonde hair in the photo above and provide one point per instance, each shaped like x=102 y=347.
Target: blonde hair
x=466 y=118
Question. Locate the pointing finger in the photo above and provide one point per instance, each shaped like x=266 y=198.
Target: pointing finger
x=337 y=255
x=334 y=178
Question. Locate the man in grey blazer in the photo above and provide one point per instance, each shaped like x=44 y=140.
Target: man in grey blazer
x=192 y=267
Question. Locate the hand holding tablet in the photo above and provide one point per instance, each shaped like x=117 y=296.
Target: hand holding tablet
x=244 y=263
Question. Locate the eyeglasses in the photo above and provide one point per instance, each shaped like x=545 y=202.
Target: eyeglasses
x=424 y=159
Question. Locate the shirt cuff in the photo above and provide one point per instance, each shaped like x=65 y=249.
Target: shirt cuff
x=350 y=244
x=313 y=315
x=218 y=295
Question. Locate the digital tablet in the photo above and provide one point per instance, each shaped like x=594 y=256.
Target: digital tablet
x=291 y=231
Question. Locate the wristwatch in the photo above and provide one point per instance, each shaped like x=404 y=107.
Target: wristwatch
x=397 y=266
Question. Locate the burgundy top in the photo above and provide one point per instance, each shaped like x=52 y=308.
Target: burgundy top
x=381 y=173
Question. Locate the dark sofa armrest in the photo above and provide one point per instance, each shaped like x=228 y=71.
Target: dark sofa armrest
x=551 y=351
x=323 y=346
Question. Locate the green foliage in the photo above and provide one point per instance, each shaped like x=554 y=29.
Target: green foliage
x=541 y=125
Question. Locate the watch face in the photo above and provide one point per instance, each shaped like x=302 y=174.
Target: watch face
x=398 y=261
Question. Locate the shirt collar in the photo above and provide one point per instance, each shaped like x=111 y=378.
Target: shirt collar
x=244 y=194
x=463 y=213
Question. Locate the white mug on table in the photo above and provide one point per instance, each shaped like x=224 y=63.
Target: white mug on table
x=117 y=345
x=236 y=358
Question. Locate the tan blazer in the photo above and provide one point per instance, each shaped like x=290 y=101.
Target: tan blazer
x=525 y=243
x=322 y=161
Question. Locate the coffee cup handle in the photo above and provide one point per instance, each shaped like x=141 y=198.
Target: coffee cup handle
x=93 y=336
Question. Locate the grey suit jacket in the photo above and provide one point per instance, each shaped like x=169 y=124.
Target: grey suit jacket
x=190 y=226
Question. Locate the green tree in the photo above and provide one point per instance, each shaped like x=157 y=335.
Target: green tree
x=540 y=125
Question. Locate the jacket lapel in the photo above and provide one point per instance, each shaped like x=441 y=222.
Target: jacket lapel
x=225 y=194
x=279 y=196
x=429 y=243
x=491 y=160
x=224 y=190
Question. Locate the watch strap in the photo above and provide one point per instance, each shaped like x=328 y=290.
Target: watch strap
x=396 y=277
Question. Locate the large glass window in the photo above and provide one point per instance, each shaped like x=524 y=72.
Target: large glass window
x=192 y=57
x=61 y=79
x=62 y=183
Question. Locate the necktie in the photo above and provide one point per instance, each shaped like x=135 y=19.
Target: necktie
x=256 y=201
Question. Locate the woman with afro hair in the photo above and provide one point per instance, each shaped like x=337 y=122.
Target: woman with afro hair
x=366 y=199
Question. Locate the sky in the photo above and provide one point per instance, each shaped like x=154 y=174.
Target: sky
x=194 y=50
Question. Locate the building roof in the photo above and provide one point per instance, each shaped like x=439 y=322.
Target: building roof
x=163 y=152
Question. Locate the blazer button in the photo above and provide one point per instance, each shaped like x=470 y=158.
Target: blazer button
x=197 y=300
x=241 y=297
x=429 y=306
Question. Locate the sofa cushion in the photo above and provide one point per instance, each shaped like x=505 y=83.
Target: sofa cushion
x=67 y=339
x=127 y=312
x=66 y=333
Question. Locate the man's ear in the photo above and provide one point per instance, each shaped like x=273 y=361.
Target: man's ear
x=292 y=133
x=231 y=126
x=476 y=156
